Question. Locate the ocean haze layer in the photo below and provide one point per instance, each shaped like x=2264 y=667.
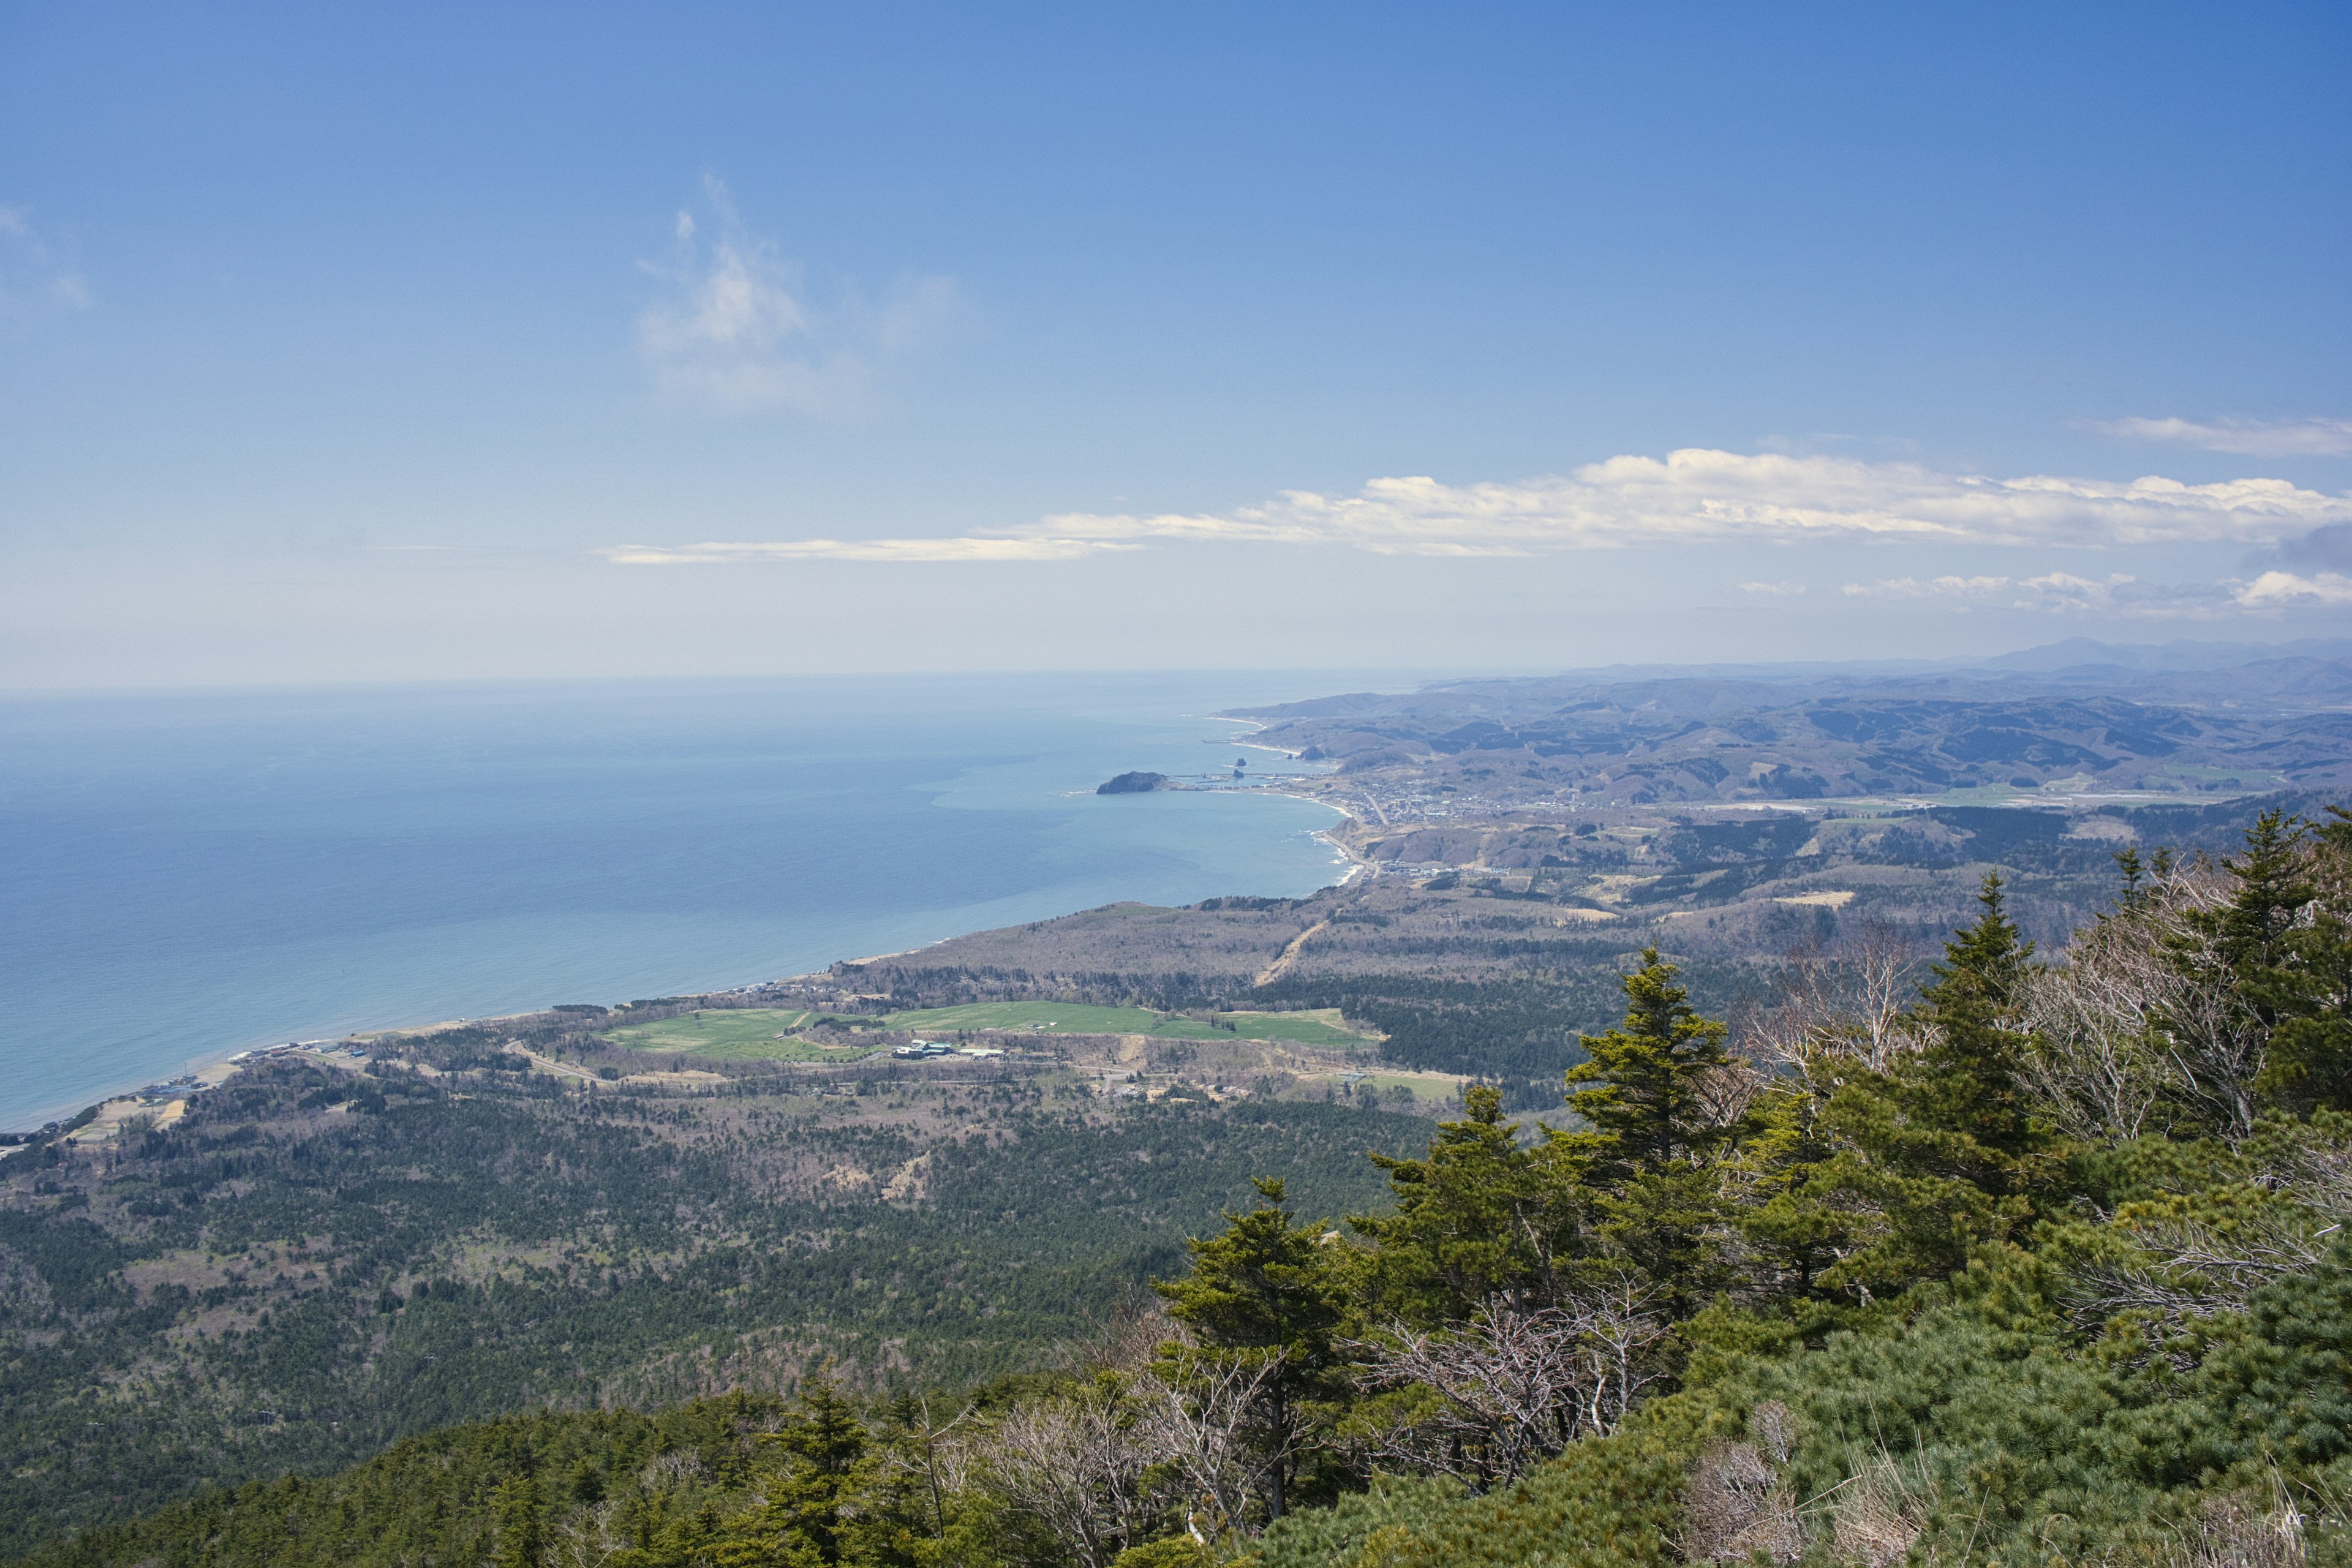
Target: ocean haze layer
x=181 y=876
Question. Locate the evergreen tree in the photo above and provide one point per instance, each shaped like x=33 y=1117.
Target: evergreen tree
x=1792 y=1237
x=1967 y=1083
x=1941 y=1152
x=810 y=1495
x=2288 y=933
x=1481 y=1214
x=1653 y=1144
x=517 y=1512
x=2253 y=930
x=1643 y=1078
x=1266 y=1288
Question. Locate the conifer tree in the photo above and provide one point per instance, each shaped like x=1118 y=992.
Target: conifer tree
x=2252 y=931
x=812 y=1495
x=2298 y=928
x=1942 y=1151
x=1652 y=1145
x=1642 y=1076
x=517 y=1510
x=1967 y=1079
x=1482 y=1214
x=1266 y=1288
x=1793 y=1238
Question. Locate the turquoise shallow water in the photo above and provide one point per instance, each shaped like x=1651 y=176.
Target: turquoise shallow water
x=183 y=877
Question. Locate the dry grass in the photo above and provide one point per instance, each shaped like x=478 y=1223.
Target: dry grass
x=1737 y=1507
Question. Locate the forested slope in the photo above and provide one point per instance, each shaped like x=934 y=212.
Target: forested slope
x=313 y=1264
x=2040 y=1262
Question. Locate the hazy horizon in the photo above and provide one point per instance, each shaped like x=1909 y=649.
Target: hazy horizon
x=1398 y=676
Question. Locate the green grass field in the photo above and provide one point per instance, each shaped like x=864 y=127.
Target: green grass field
x=1427 y=1087
x=731 y=1034
x=1321 y=1027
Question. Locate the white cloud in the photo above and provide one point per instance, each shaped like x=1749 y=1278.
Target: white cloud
x=902 y=550
x=1691 y=497
x=1697 y=495
x=34 y=272
x=736 y=331
x=1774 y=590
x=2285 y=590
x=2249 y=437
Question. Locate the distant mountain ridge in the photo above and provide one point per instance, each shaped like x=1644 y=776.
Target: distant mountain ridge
x=2078 y=717
x=2309 y=673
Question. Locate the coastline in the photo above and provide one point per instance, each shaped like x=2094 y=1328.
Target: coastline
x=211 y=1070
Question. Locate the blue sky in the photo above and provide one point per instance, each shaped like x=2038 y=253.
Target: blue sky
x=415 y=343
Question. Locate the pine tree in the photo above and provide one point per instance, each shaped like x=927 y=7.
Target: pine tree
x=1652 y=1146
x=1266 y=1288
x=1481 y=1214
x=1941 y=1152
x=810 y=1495
x=2298 y=932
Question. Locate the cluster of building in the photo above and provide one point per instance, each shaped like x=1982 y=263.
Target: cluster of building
x=176 y=1089
x=303 y=1047
x=924 y=1050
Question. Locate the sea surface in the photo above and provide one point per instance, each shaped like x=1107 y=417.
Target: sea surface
x=182 y=876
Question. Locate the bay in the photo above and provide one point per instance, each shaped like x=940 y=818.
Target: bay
x=183 y=876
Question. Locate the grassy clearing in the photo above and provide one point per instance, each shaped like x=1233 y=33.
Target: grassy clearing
x=1321 y=1027
x=1427 y=1086
x=731 y=1034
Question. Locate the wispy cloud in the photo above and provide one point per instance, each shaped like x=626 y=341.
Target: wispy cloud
x=1693 y=496
x=736 y=331
x=1774 y=590
x=901 y=550
x=2118 y=596
x=1697 y=495
x=2247 y=437
x=2055 y=591
x=34 y=273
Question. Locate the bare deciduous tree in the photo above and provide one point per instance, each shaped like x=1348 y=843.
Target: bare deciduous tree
x=590 y=1541
x=1075 y=1464
x=1204 y=1420
x=2144 y=1016
x=1840 y=1005
x=1737 y=1505
x=1515 y=1387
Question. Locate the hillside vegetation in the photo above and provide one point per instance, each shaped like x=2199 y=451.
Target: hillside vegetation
x=2037 y=1263
x=316 y=1262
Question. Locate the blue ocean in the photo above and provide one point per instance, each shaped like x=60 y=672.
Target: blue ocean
x=185 y=875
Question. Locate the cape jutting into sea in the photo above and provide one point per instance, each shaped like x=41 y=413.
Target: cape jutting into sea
x=181 y=876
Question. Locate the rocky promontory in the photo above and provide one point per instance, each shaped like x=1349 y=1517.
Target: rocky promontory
x=1135 y=784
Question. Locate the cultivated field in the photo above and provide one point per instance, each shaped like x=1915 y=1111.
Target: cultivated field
x=736 y=1034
